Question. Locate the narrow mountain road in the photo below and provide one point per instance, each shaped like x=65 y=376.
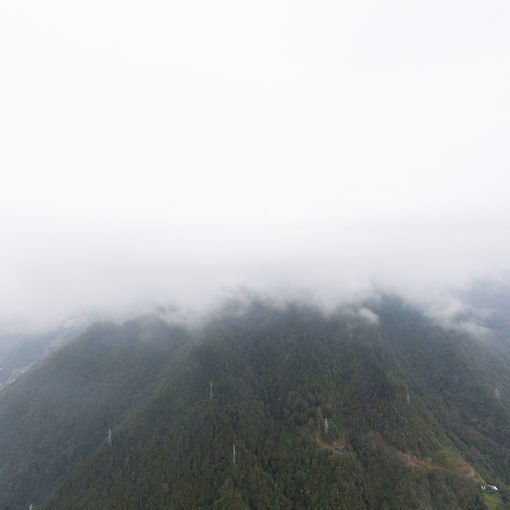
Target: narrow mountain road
x=338 y=445
x=466 y=470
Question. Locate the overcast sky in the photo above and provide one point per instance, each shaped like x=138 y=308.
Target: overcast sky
x=169 y=151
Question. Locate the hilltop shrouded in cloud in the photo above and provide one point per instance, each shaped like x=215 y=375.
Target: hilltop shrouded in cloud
x=56 y=273
x=172 y=152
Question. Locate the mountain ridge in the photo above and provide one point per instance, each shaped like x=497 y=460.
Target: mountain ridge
x=276 y=374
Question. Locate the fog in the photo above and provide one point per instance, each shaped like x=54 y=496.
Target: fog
x=170 y=153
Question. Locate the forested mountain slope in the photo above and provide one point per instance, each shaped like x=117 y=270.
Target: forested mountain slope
x=62 y=409
x=265 y=408
x=21 y=349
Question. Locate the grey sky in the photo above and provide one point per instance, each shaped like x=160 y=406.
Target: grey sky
x=170 y=150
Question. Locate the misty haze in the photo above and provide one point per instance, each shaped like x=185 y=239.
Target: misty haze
x=254 y=256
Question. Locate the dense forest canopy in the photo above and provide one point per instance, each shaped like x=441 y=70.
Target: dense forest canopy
x=373 y=406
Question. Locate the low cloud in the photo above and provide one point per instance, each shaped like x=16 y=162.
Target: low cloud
x=368 y=315
x=190 y=149
x=56 y=272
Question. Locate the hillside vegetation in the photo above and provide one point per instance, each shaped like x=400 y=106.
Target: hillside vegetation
x=233 y=416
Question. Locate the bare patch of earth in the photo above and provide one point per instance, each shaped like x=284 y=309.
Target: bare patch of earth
x=466 y=470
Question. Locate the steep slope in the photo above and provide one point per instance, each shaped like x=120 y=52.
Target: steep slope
x=392 y=390
x=62 y=409
x=20 y=350
x=489 y=301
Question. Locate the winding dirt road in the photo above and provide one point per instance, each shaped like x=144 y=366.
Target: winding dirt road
x=466 y=470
